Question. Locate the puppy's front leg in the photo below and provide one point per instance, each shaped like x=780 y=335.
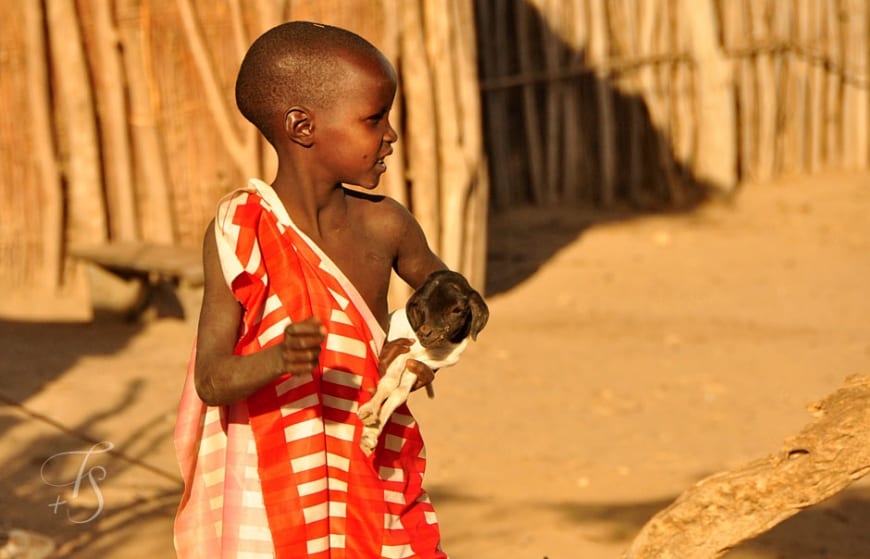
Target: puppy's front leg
x=368 y=412
x=397 y=397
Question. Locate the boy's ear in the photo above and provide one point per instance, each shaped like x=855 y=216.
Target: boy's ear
x=299 y=126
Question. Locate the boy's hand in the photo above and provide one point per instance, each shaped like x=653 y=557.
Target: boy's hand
x=397 y=347
x=425 y=374
x=300 y=348
x=391 y=350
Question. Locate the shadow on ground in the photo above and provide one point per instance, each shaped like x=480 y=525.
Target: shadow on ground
x=76 y=482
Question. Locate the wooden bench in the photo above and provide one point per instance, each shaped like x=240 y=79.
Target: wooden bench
x=130 y=277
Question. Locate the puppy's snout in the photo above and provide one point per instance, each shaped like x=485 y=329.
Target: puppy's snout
x=426 y=331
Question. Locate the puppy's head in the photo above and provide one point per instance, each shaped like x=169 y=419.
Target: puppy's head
x=446 y=310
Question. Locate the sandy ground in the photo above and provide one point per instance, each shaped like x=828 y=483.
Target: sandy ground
x=625 y=359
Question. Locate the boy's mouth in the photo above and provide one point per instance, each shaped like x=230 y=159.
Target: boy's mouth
x=381 y=160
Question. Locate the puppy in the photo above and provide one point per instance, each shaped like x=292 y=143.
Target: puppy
x=440 y=317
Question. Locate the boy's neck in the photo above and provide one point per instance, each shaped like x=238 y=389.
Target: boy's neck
x=315 y=209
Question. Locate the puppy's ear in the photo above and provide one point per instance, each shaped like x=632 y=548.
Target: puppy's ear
x=479 y=313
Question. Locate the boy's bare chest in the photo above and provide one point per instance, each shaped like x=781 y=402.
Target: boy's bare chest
x=367 y=263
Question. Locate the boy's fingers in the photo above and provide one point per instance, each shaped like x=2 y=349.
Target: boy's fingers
x=302 y=342
x=311 y=325
x=306 y=334
x=302 y=355
x=425 y=374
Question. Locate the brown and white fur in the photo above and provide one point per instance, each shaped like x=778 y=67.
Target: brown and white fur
x=440 y=316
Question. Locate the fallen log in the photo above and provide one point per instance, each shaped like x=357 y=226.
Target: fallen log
x=722 y=510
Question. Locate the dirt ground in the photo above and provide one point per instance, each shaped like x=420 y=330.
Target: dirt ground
x=625 y=359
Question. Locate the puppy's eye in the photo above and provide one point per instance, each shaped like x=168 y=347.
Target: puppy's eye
x=457 y=310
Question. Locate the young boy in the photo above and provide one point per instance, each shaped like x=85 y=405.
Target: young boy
x=291 y=332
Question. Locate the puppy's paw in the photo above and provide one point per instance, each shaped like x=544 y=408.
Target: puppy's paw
x=368 y=414
x=369 y=440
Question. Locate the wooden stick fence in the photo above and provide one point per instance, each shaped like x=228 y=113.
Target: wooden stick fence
x=132 y=132
x=669 y=96
x=133 y=135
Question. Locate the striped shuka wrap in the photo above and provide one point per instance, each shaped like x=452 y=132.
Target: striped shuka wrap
x=281 y=474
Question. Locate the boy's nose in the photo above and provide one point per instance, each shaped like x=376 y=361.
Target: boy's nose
x=391 y=135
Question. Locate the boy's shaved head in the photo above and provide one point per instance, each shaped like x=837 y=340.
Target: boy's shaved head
x=294 y=64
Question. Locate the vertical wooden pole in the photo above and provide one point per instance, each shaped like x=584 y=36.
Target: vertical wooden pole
x=39 y=121
x=492 y=28
x=826 y=82
x=394 y=181
x=779 y=30
x=760 y=13
x=454 y=175
x=684 y=112
x=716 y=161
x=421 y=143
x=651 y=19
x=531 y=119
x=552 y=48
x=112 y=107
x=736 y=22
x=856 y=99
x=626 y=14
x=598 y=57
x=75 y=103
x=795 y=83
x=154 y=190
x=476 y=191
x=243 y=152
x=575 y=161
x=834 y=90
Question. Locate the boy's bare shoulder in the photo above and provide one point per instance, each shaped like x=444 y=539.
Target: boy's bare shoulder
x=380 y=213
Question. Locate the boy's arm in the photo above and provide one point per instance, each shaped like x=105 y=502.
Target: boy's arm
x=414 y=262
x=414 y=259
x=223 y=378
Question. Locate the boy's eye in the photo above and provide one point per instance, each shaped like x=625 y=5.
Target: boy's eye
x=378 y=116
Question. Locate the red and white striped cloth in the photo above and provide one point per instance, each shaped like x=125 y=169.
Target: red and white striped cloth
x=282 y=473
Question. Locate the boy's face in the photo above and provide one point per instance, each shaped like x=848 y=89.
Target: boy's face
x=354 y=135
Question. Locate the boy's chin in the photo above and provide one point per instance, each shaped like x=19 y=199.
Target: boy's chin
x=365 y=185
